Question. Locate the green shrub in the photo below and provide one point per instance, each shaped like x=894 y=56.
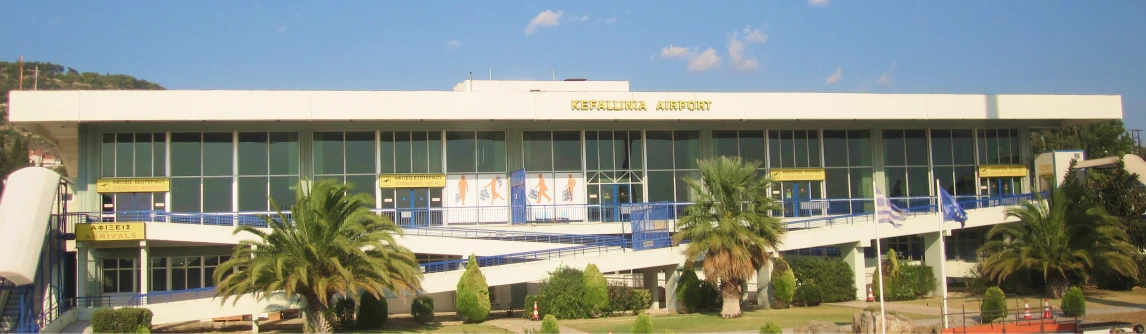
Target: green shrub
x=472 y=295
x=341 y=312
x=372 y=312
x=994 y=305
x=549 y=325
x=143 y=330
x=641 y=300
x=783 y=284
x=626 y=299
x=834 y=277
x=642 y=325
x=915 y=281
x=710 y=296
x=422 y=309
x=977 y=281
x=596 y=289
x=688 y=291
x=771 y=328
x=809 y=294
x=564 y=294
x=123 y=320
x=1073 y=302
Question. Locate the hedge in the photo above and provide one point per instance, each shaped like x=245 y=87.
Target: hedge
x=1073 y=303
x=783 y=284
x=809 y=294
x=915 y=281
x=472 y=294
x=372 y=312
x=422 y=309
x=626 y=299
x=123 y=320
x=833 y=276
x=563 y=293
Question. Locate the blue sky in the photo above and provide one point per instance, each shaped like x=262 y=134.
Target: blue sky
x=1044 y=47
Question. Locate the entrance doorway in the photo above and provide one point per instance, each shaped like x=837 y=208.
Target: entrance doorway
x=801 y=198
x=413 y=206
x=607 y=200
x=1000 y=186
x=132 y=206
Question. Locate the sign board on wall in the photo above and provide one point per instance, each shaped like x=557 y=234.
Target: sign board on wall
x=797 y=174
x=110 y=231
x=1003 y=171
x=133 y=185
x=412 y=181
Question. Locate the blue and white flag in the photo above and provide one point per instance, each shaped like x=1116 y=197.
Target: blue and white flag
x=952 y=211
x=887 y=211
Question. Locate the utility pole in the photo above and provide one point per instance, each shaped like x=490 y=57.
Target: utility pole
x=20 y=83
x=1137 y=135
x=36 y=78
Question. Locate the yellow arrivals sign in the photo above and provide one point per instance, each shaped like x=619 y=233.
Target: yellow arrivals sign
x=797 y=174
x=133 y=185
x=110 y=231
x=412 y=181
x=1003 y=171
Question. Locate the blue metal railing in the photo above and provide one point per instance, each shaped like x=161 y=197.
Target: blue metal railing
x=160 y=297
x=541 y=255
x=504 y=235
x=928 y=207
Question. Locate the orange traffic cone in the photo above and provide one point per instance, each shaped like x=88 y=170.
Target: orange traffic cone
x=870 y=296
x=1046 y=310
x=534 y=310
x=1027 y=312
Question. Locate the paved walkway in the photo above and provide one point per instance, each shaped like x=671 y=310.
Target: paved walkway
x=519 y=325
x=80 y=326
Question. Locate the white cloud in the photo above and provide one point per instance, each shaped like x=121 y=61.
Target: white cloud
x=888 y=77
x=819 y=3
x=704 y=61
x=736 y=48
x=546 y=19
x=611 y=20
x=583 y=18
x=673 y=51
x=281 y=29
x=453 y=43
x=834 y=78
x=755 y=35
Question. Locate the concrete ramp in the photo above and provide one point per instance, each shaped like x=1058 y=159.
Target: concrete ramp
x=1133 y=164
x=25 y=209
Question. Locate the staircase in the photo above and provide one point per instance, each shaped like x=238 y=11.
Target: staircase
x=10 y=317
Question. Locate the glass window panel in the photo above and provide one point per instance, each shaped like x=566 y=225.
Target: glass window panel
x=194 y=261
x=752 y=146
x=194 y=281
x=774 y=149
x=787 y=149
x=725 y=143
x=896 y=181
x=158 y=280
x=992 y=147
x=1014 y=141
x=982 y=138
x=621 y=149
x=605 y=147
x=963 y=147
x=387 y=194
x=434 y=149
x=159 y=165
x=491 y=151
x=218 y=153
x=814 y=149
x=941 y=153
x=861 y=183
x=284 y=158
x=435 y=193
x=638 y=193
x=835 y=150
x=946 y=177
x=282 y=191
x=217 y=194
x=460 y=155
x=419 y=152
x=918 y=182
x=859 y=148
x=360 y=153
x=186 y=154
x=591 y=159
x=126 y=281
x=110 y=263
x=686 y=146
x=567 y=150
x=538 y=150
x=209 y=277
x=661 y=143
x=184 y=194
x=387 y=148
x=402 y=148
x=684 y=192
x=837 y=182
x=124 y=155
x=363 y=184
x=1004 y=147
x=253 y=153
x=109 y=281
x=178 y=279
x=253 y=194
x=143 y=154
x=660 y=186
x=636 y=151
x=916 y=141
x=893 y=151
x=328 y=150
x=965 y=181
x=159 y=262
x=107 y=155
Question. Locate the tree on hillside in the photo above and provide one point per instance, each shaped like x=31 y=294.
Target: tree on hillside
x=330 y=243
x=13 y=156
x=730 y=225
x=1059 y=239
x=1098 y=140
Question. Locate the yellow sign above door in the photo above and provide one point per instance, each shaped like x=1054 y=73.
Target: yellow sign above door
x=797 y=174
x=412 y=181
x=110 y=231
x=133 y=185
x=1003 y=171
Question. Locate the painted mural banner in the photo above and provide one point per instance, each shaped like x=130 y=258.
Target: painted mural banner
x=476 y=199
x=110 y=231
x=133 y=185
x=1002 y=171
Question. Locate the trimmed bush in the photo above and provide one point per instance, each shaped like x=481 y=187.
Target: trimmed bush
x=341 y=313
x=549 y=325
x=783 y=284
x=994 y=305
x=1073 y=303
x=123 y=320
x=641 y=300
x=626 y=299
x=143 y=330
x=771 y=328
x=372 y=312
x=915 y=281
x=596 y=289
x=643 y=325
x=688 y=292
x=472 y=296
x=422 y=309
x=710 y=298
x=809 y=295
x=563 y=294
x=832 y=275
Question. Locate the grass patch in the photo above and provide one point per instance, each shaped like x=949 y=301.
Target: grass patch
x=711 y=322
x=1095 y=300
x=458 y=328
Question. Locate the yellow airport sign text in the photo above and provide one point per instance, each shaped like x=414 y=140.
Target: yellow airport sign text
x=412 y=181
x=133 y=185
x=110 y=231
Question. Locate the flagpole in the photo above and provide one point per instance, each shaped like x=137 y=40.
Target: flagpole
x=942 y=263
x=879 y=264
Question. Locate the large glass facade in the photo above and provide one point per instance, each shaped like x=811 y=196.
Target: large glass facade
x=475 y=151
x=999 y=147
x=349 y=157
x=202 y=171
x=552 y=151
x=907 y=167
x=666 y=172
x=953 y=161
x=848 y=170
x=268 y=166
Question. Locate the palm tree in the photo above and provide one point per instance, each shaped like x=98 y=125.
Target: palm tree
x=1059 y=239
x=730 y=225
x=330 y=244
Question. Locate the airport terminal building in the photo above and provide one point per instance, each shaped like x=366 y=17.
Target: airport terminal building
x=574 y=157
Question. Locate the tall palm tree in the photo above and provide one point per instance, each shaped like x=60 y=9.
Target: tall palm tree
x=1059 y=239
x=330 y=244
x=730 y=225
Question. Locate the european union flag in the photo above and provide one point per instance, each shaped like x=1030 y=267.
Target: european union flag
x=952 y=211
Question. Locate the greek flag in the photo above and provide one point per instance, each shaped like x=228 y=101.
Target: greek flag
x=886 y=211
x=952 y=211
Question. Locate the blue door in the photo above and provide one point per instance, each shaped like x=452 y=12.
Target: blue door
x=613 y=197
x=413 y=207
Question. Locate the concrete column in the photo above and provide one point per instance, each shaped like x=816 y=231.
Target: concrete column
x=933 y=255
x=82 y=252
x=672 y=277
x=852 y=253
x=764 y=285
x=144 y=270
x=651 y=282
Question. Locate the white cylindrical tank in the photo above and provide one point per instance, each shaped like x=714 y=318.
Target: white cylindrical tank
x=25 y=208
